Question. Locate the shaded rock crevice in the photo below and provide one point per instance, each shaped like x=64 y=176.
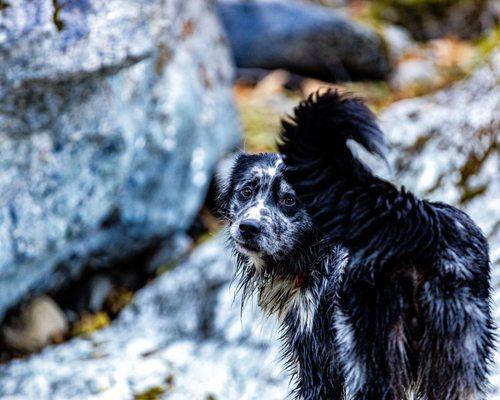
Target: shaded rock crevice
x=56 y=18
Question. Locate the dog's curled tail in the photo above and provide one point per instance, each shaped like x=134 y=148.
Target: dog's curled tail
x=346 y=201
x=321 y=126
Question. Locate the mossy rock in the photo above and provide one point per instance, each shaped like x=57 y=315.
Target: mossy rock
x=90 y=323
x=154 y=393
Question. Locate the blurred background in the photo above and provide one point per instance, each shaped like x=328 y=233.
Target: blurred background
x=114 y=277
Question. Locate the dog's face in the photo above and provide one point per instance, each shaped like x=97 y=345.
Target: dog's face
x=266 y=222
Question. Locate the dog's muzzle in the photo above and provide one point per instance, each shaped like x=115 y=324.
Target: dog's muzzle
x=250 y=229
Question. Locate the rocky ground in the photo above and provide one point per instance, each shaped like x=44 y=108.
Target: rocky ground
x=181 y=337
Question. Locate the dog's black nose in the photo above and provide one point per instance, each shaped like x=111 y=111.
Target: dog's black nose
x=249 y=228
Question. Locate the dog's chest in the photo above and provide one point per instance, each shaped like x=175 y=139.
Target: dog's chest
x=290 y=301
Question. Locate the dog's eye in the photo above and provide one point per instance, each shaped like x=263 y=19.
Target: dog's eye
x=288 y=200
x=246 y=192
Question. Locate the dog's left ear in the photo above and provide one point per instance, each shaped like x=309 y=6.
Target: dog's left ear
x=224 y=183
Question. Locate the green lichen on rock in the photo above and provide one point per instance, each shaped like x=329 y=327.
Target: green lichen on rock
x=90 y=323
x=488 y=43
x=154 y=393
x=473 y=165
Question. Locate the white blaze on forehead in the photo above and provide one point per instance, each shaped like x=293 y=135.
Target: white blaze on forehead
x=259 y=171
x=285 y=187
x=255 y=211
x=271 y=171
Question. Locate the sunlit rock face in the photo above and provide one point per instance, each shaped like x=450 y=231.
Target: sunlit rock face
x=112 y=116
x=445 y=147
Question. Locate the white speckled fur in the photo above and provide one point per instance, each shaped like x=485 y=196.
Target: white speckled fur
x=280 y=297
x=353 y=368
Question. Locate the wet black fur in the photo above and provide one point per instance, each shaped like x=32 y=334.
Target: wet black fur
x=412 y=309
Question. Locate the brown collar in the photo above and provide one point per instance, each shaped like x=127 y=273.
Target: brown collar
x=299 y=280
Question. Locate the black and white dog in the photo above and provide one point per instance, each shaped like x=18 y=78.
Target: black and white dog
x=380 y=295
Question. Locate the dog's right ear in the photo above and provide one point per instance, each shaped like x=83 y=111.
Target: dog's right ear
x=224 y=183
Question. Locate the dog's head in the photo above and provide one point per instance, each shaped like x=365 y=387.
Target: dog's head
x=266 y=221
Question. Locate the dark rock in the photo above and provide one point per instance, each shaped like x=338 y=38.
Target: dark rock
x=112 y=116
x=303 y=38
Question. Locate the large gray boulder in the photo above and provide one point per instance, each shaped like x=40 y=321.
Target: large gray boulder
x=112 y=116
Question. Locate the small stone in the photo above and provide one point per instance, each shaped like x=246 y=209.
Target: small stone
x=99 y=289
x=39 y=323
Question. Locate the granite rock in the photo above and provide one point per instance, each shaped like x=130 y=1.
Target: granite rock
x=112 y=117
x=183 y=334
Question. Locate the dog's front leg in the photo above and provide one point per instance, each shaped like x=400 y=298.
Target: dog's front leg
x=318 y=382
x=317 y=374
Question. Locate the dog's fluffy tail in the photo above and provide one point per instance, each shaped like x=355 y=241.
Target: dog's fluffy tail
x=320 y=127
x=374 y=219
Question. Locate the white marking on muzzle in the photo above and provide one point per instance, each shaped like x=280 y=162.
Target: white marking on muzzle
x=255 y=211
